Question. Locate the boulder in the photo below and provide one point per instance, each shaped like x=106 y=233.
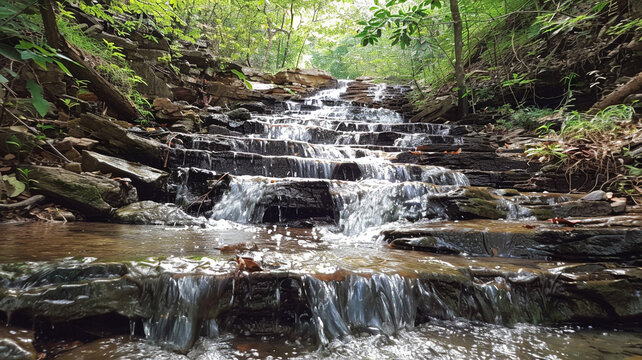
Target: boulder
x=116 y=140
x=94 y=196
x=240 y=114
x=149 y=181
x=439 y=107
x=596 y=195
x=254 y=106
x=152 y=213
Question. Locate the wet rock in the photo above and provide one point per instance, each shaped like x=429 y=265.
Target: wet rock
x=16 y=344
x=476 y=161
x=256 y=106
x=239 y=114
x=148 y=181
x=71 y=301
x=218 y=119
x=116 y=140
x=152 y=213
x=288 y=201
x=95 y=196
x=539 y=240
x=578 y=208
x=220 y=130
x=471 y=203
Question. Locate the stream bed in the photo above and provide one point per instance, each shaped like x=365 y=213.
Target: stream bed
x=316 y=194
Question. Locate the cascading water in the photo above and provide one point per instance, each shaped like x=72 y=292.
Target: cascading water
x=325 y=137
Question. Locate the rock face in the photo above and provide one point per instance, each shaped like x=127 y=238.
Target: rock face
x=148 y=181
x=179 y=117
x=363 y=91
x=311 y=78
x=93 y=195
x=152 y=213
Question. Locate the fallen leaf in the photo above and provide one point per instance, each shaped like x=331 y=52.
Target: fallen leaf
x=9 y=157
x=247 y=264
x=561 y=220
x=527 y=226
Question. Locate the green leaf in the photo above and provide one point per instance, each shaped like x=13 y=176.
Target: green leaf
x=9 y=52
x=63 y=67
x=16 y=186
x=37 y=100
x=3 y=80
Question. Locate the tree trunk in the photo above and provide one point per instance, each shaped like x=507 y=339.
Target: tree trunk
x=618 y=95
x=267 y=51
x=287 y=41
x=105 y=91
x=462 y=103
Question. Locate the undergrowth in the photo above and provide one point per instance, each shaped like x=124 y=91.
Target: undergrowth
x=526 y=118
x=108 y=60
x=596 y=146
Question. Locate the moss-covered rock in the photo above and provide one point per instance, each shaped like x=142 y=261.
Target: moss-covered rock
x=95 y=196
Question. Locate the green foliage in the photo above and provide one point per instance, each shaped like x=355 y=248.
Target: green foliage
x=604 y=123
x=27 y=50
x=524 y=118
x=26 y=178
x=546 y=152
x=242 y=77
x=627 y=26
x=37 y=100
x=517 y=80
x=14 y=141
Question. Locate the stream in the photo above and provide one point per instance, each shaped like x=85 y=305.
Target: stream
x=310 y=192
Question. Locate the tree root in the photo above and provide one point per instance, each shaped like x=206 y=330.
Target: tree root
x=25 y=204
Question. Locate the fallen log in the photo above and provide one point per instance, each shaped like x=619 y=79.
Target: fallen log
x=116 y=100
x=618 y=95
x=24 y=204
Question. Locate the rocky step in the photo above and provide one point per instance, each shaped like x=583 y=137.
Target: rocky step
x=321 y=135
x=342 y=125
x=341 y=110
x=264 y=146
x=277 y=147
x=176 y=307
x=357 y=206
x=480 y=161
x=241 y=163
x=616 y=238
